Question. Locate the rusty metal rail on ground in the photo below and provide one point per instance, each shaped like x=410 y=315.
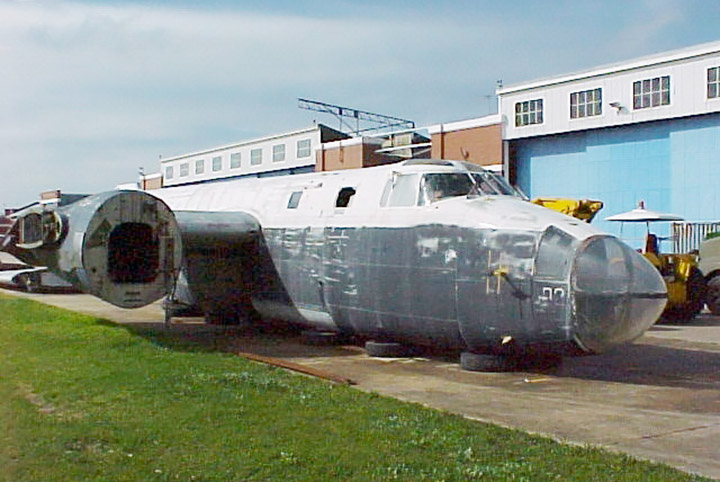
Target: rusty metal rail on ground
x=296 y=367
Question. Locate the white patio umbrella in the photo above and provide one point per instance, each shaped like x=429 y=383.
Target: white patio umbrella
x=642 y=215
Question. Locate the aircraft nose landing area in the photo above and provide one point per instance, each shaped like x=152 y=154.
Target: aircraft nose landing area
x=658 y=398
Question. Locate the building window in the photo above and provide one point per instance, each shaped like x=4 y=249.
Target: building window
x=713 y=83
x=234 y=160
x=586 y=103
x=217 y=163
x=651 y=92
x=169 y=172
x=199 y=166
x=279 y=153
x=303 y=148
x=184 y=169
x=528 y=112
x=255 y=157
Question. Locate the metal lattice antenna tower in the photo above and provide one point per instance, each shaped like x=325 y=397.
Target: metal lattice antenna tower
x=340 y=113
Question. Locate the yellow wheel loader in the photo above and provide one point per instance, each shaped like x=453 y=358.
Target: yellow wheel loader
x=683 y=279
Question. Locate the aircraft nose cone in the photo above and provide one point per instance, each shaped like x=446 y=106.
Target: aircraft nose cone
x=617 y=294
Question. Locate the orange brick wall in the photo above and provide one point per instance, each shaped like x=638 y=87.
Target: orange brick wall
x=479 y=145
x=350 y=157
x=153 y=183
x=345 y=157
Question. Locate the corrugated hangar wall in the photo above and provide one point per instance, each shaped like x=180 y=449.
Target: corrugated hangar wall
x=673 y=165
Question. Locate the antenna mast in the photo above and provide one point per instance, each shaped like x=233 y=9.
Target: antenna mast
x=341 y=113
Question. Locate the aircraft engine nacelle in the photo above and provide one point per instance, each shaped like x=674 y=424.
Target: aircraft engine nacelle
x=121 y=246
x=220 y=253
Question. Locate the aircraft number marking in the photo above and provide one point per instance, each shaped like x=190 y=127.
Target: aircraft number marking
x=551 y=294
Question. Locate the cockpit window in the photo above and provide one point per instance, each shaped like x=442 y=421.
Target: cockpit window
x=401 y=190
x=413 y=190
x=489 y=183
x=504 y=185
x=437 y=186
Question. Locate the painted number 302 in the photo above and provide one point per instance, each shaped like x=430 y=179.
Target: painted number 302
x=549 y=293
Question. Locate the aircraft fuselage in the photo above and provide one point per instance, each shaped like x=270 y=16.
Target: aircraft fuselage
x=430 y=252
x=343 y=251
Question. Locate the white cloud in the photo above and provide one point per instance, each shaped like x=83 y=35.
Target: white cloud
x=78 y=70
x=86 y=83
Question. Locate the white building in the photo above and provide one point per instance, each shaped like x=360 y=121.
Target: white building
x=289 y=153
x=643 y=129
x=668 y=85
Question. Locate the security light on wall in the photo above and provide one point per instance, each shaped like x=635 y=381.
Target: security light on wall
x=616 y=105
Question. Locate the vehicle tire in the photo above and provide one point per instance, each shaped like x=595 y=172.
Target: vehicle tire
x=386 y=349
x=712 y=294
x=477 y=362
x=695 y=288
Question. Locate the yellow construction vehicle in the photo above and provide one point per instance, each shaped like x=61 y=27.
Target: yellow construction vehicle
x=683 y=279
x=584 y=209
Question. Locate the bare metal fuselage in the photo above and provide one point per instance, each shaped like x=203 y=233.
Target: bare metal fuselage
x=337 y=251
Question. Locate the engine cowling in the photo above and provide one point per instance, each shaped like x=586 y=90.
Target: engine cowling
x=121 y=246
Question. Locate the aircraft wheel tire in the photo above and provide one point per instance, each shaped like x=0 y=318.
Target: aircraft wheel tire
x=386 y=349
x=476 y=362
x=712 y=294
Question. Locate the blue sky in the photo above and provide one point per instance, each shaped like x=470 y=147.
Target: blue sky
x=91 y=91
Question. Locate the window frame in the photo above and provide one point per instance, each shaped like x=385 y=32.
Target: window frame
x=199 y=166
x=217 y=164
x=300 y=150
x=587 y=103
x=169 y=172
x=294 y=199
x=645 y=90
x=236 y=160
x=712 y=83
x=389 y=190
x=184 y=169
x=256 y=157
x=433 y=185
x=278 y=152
x=529 y=112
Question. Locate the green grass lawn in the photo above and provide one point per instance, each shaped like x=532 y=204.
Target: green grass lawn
x=82 y=399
